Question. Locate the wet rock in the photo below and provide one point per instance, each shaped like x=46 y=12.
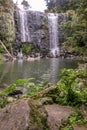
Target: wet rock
x=51 y=55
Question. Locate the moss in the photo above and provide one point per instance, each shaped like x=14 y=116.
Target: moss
x=7 y=29
x=38 y=117
x=53 y=94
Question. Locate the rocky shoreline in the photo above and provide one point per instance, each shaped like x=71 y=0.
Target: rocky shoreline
x=37 y=113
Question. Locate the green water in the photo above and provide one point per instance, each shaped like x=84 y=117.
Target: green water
x=41 y=70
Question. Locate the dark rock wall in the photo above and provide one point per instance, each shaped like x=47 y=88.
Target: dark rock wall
x=17 y=26
x=38 y=28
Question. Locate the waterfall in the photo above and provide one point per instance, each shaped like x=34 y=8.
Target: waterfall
x=24 y=31
x=20 y=54
x=53 y=34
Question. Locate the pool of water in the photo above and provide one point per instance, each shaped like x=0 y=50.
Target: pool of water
x=41 y=70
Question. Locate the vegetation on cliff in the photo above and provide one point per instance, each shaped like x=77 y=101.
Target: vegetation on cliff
x=7 y=30
x=25 y=4
x=61 y=6
x=76 y=30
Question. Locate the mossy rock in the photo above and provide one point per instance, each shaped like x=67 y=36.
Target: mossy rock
x=38 y=116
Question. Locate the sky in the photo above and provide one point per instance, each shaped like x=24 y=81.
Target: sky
x=37 y=5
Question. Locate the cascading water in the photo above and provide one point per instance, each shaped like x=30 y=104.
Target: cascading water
x=53 y=34
x=20 y=54
x=25 y=34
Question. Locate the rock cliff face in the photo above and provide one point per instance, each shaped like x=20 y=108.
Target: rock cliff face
x=7 y=29
x=37 y=31
x=37 y=26
x=33 y=24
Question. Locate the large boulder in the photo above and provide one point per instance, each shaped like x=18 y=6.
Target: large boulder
x=28 y=114
x=57 y=114
x=24 y=114
x=15 y=116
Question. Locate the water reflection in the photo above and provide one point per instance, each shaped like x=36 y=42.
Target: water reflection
x=54 y=70
x=44 y=69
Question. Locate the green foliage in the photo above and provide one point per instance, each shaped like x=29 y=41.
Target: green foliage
x=10 y=89
x=72 y=88
x=23 y=82
x=25 y=4
x=70 y=5
x=7 y=29
x=1 y=49
x=76 y=29
x=30 y=87
x=38 y=117
x=3 y=100
x=27 y=48
x=59 y=6
x=3 y=95
x=76 y=117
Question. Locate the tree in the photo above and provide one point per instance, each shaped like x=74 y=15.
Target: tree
x=61 y=6
x=76 y=28
x=25 y=4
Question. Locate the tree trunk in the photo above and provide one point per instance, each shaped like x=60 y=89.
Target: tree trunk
x=9 y=54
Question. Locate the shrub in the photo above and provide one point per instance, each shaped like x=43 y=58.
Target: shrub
x=72 y=88
x=74 y=118
x=27 y=48
x=30 y=89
